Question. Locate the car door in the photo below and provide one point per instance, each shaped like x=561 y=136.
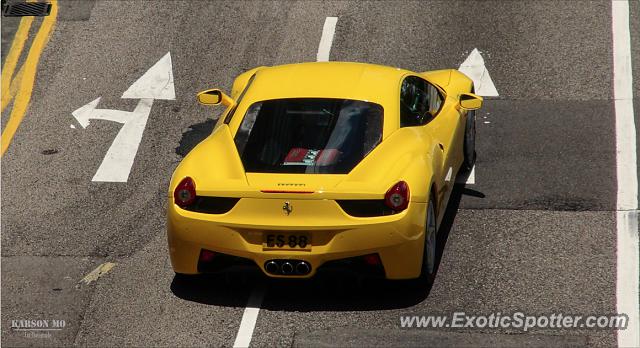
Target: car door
x=447 y=127
x=422 y=105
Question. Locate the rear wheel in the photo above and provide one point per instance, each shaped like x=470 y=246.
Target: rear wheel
x=470 y=140
x=429 y=254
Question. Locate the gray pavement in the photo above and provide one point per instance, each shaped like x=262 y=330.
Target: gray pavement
x=536 y=233
x=9 y=27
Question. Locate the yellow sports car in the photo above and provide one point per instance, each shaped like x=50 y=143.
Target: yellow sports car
x=323 y=165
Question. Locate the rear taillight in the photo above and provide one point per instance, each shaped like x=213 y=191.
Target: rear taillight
x=397 y=198
x=185 y=193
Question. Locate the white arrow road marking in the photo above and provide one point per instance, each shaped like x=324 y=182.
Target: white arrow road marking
x=156 y=83
x=474 y=67
x=116 y=165
x=89 y=111
x=469 y=180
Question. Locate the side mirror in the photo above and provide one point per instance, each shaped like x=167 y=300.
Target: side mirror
x=214 y=96
x=470 y=101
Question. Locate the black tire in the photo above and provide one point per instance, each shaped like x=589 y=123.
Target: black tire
x=181 y=277
x=470 y=140
x=428 y=270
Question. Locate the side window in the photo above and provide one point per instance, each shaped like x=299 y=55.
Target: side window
x=435 y=99
x=413 y=102
x=419 y=102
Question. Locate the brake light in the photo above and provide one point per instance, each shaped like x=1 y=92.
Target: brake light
x=397 y=198
x=185 y=193
x=284 y=191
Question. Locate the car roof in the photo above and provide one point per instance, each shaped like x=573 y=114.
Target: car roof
x=345 y=80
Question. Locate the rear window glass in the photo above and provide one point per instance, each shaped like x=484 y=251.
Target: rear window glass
x=308 y=135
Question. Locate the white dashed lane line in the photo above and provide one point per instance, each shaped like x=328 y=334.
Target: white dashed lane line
x=249 y=318
x=326 y=40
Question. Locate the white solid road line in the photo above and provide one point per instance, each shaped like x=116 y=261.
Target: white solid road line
x=627 y=301
x=249 y=318
x=326 y=40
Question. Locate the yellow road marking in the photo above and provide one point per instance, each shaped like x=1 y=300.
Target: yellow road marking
x=97 y=273
x=23 y=96
x=11 y=61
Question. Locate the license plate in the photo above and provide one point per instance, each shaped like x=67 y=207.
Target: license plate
x=286 y=241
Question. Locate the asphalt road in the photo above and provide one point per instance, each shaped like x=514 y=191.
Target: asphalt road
x=535 y=233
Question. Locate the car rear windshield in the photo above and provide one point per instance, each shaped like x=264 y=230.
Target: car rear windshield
x=308 y=135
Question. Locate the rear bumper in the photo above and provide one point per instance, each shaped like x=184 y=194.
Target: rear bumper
x=397 y=239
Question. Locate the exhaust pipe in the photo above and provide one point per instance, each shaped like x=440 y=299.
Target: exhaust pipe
x=272 y=267
x=303 y=268
x=286 y=268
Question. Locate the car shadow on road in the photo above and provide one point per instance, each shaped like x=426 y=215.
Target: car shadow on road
x=194 y=135
x=325 y=292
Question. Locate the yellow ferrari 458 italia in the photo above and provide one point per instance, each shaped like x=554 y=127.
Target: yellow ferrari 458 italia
x=323 y=165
